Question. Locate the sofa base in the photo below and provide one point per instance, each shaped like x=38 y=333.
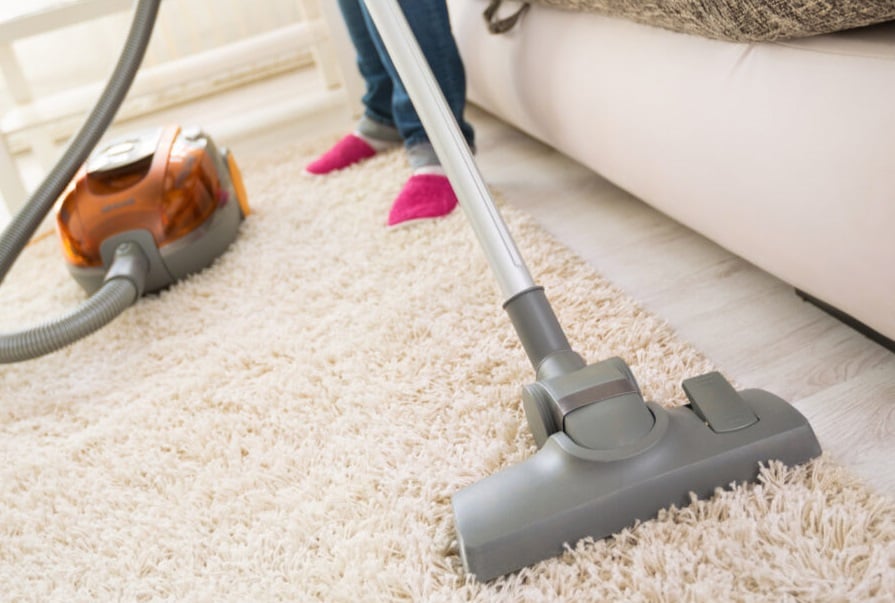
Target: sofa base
x=851 y=321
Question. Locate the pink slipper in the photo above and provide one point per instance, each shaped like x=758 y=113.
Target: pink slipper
x=348 y=151
x=423 y=196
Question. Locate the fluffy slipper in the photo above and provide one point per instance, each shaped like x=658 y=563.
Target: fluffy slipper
x=423 y=196
x=349 y=150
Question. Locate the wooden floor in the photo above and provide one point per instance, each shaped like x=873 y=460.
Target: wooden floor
x=751 y=325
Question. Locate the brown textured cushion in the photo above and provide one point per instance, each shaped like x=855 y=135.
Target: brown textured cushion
x=742 y=20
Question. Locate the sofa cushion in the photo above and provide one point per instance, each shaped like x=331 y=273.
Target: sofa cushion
x=741 y=20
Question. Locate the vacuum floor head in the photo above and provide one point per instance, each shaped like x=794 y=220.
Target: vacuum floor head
x=169 y=190
x=568 y=491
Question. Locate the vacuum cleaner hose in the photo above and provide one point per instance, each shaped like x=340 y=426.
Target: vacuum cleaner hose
x=107 y=303
x=118 y=293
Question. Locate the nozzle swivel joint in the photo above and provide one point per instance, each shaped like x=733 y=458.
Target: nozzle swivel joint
x=599 y=406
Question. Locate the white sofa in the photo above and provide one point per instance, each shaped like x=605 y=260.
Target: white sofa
x=782 y=152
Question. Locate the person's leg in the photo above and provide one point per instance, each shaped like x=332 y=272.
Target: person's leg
x=427 y=194
x=430 y=23
x=377 y=99
x=376 y=129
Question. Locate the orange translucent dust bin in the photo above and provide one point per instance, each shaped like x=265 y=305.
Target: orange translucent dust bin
x=163 y=182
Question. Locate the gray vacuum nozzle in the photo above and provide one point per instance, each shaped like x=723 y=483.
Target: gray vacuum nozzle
x=566 y=492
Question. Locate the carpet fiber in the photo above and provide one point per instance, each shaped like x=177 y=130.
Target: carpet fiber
x=291 y=423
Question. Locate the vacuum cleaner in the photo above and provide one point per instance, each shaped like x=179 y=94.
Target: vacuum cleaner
x=606 y=457
x=139 y=213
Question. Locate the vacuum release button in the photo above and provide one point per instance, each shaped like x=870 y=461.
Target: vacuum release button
x=717 y=403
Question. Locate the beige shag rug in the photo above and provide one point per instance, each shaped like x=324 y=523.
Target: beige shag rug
x=290 y=424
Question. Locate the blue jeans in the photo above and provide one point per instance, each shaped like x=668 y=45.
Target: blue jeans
x=386 y=101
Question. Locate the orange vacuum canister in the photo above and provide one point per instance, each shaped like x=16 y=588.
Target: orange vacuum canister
x=169 y=190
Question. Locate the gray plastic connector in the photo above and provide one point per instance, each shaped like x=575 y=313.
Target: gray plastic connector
x=541 y=335
x=130 y=263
